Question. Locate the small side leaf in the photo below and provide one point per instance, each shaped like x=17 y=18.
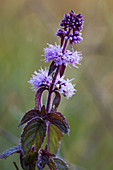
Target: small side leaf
x=52 y=165
x=62 y=70
x=33 y=134
x=52 y=68
x=38 y=97
x=56 y=101
x=43 y=111
x=58 y=120
x=43 y=159
x=61 y=164
x=29 y=115
x=7 y=153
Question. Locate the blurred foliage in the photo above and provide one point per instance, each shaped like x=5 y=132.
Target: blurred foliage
x=26 y=26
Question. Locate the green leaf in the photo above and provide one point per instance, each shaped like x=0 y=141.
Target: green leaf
x=58 y=120
x=7 y=153
x=53 y=138
x=29 y=115
x=33 y=134
x=28 y=162
x=30 y=158
x=61 y=164
x=52 y=165
x=42 y=160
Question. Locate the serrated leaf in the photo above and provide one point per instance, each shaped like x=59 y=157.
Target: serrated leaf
x=28 y=162
x=33 y=134
x=52 y=165
x=58 y=120
x=61 y=164
x=38 y=97
x=62 y=70
x=56 y=101
x=7 y=153
x=30 y=158
x=52 y=68
x=29 y=115
x=53 y=138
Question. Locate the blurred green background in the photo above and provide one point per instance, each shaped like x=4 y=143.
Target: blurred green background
x=26 y=26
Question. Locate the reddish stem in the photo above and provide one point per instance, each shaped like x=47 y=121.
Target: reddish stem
x=54 y=79
x=51 y=88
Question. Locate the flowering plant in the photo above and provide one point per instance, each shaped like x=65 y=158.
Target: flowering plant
x=45 y=126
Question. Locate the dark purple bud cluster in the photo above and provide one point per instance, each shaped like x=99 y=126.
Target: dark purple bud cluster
x=72 y=22
x=75 y=37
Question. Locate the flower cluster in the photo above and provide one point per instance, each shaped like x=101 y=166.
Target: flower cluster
x=72 y=22
x=65 y=87
x=74 y=36
x=54 y=52
x=39 y=79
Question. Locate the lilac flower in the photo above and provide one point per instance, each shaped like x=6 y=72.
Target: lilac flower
x=55 y=53
x=39 y=79
x=65 y=87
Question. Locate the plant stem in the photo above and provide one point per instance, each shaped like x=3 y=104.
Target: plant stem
x=65 y=45
x=51 y=88
x=66 y=41
x=54 y=79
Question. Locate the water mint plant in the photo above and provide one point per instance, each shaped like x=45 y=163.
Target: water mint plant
x=44 y=124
